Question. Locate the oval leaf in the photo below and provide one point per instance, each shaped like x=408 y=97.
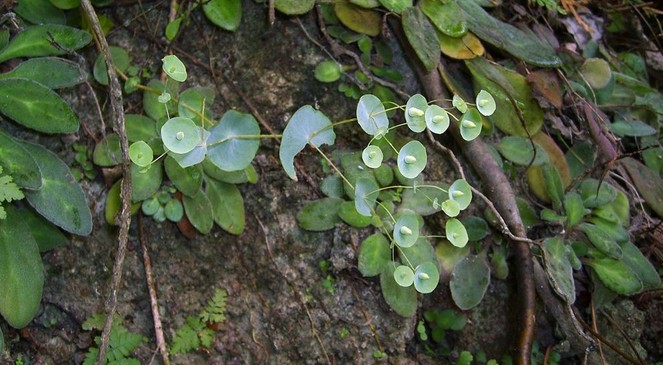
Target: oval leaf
x=18 y=163
x=374 y=255
x=349 y=214
x=60 y=199
x=188 y=180
x=422 y=37
x=519 y=151
x=437 y=119
x=319 y=215
x=426 y=277
x=225 y=14
x=401 y=299
x=145 y=182
x=447 y=16
x=406 y=230
x=616 y=275
x=45 y=40
x=404 y=276
x=52 y=72
x=456 y=233
x=294 y=7
x=415 y=113
x=471 y=124
x=371 y=115
x=228 y=206
x=358 y=19
x=199 y=211
x=558 y=266
x=469 y=281
x=365 y=195
x=36 y=106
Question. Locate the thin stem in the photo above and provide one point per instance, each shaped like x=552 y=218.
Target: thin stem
x=338 y=171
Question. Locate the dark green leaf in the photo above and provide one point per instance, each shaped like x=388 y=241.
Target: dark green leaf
x=121 y=61
x=60 y=199
x=558 y=266
x=52 y=72
x=476 y=227
x=469 y=281
x=596 y=193
x=45 y=234
x=422 y=37
x=319 y=215
x=226 y=14
x=348 y=213
x=580 y=158
x=21 y=272
x=199 y=211
x=18 y=163
x=554 y=185
x=403 y=300
x=519 y=151
x=140 y=128
x=601 y=239
x=41 y=40
x=374 y=254
x=188 y=180
x=228 y=206
x=40 y=12
x=36 y=106
x=145 y=183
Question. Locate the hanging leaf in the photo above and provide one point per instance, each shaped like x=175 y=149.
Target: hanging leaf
x=60 y=199
x=426 y=277
x=504 y=84
x=422 y=37
x=523 y=45
x=415 y=113
x=16 y=162
x=466 y=47
x=519 y=151
x=403 y=300
x=469 y=281
x=365 y=195
x=52 y=72
x=406 y=230
x=188 y=180
x=358 y=19
x=121 y=61
x=306 y=126
x=447 y=17
x=35 y=106
x=616 y=275
x=145 y=182
x=371 y=115
x=412 y=159
x=226 y=148
x=558 y=267
x=349 y=214
x=225 y=14
x=45 y=40
x=199 y=211
x=294 y=7
x=374 y=254
x=228 y=206
x=437 y=119
x=319 y=215
x=21 y=272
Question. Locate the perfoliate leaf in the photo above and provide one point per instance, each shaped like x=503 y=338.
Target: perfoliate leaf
x=371 y=115
x=228 y=148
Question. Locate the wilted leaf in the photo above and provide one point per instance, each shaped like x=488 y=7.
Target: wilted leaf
x=466 y=47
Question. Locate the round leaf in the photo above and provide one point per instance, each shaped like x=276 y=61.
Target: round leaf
x=403 y=300
x=459 y=103
x=174 y=210
x=426 y=277
x=374 y=255
x=348 y=213
x=412 y=159
x=437 y=119
x=485 y=103
x=470 y=125
x=319 y=215
x=406 y=230
x=174 y=68
x=141 y=154
x=180 y=135
x=461 y=192
x=372 y=156
x=226 y=148
x=371 y=115
x=415 y=113
x=328 y=71
x=450 y=207
x=456 y=233
x=404 y=276
x=596 y=72
x=150 y=206
x=469 y=281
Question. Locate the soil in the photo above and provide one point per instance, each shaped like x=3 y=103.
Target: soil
x=278 y=311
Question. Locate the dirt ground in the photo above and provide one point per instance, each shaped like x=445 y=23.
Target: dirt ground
x=278 y=310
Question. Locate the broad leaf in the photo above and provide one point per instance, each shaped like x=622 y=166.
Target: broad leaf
x=469 y=281
x=647 y=182
x=140 y=128
x=60 y=199
x=40 y=12
x=226 y=14
x=640 y=265
x=199 y=211
x=52 y=72
x=18 y=163
x=319 y=215
x=45 y=234
x=36 y=106
x=307 y=126
x=447 y=16
x=396 y=6
x=45 y=40
x=21 y=272
x=520 y=151
x=228 y=206
x=601 y=240
x=596 y=193
x=358 y=19
x=188 y=180
x=616 y=275
x=365 y=195
x=558 y=266
x=466 y=47
x=121 y=61
x=145 y=182
x=422 y=37
x=403 y=300
x=228 y=145
x=349 y=214
x=374 y=254
x=107 y=152
x=523 y=45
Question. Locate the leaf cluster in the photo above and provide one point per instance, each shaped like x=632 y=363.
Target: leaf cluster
x=121 y=344
x=197 y=331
